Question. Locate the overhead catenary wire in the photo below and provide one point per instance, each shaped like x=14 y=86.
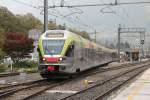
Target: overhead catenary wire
x=70 y=15
x=29 y=5
x=76 y=6
x=105 y=4
x=41 y=12
x=109 y=7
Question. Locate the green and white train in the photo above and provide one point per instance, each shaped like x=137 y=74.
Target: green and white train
x=63 y=53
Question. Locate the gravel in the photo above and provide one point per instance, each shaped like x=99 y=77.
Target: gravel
x=23 y=77
x=78 y=84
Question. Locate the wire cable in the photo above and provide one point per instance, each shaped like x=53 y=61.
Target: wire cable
x=105 y=4
x=29 y=5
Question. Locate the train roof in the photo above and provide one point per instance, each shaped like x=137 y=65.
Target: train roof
x=75 y=37
x=57 y=34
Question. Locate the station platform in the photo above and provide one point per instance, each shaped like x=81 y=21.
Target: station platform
x=138 y=90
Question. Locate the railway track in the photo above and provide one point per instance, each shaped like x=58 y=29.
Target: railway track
x=6 y=90
x=104 y=87
x=87 y=74
x=2 y=88
x=49 y=86
x=25 y=91
x=9 y=74
x=105 y=69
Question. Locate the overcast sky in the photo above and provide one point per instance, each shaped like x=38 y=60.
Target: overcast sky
x=88 y=18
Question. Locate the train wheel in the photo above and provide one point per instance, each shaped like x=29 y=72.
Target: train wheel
x=78 y=70
x=44 y=75
x=70 y=76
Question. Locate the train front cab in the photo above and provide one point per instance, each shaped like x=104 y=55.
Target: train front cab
x=55 y=64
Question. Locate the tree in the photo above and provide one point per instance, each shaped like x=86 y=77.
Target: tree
x=52 y=25
x=18 y=23
x=28 y=22
x=1 y=37
x=8 y=21
x=2 y=54
x=17 y=46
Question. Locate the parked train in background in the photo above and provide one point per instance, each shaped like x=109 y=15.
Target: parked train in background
x=63 y=53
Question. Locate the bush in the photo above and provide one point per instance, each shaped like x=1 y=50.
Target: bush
x=26 y=64
x=2 y=68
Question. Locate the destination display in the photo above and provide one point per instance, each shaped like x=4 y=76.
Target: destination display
x=54 y=35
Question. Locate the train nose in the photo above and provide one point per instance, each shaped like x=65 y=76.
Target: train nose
x=52 y=59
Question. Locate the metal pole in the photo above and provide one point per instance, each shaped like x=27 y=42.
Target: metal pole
x=119 y=43
x=45 y=15
x=95 y=35
x=131 y=55
x=142 y=51
x=140 y=46
x=11 y=65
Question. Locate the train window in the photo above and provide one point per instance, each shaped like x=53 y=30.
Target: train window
x=70 y=51
x=52 y=47
x=38 y=49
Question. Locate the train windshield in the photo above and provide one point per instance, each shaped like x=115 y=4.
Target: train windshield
x=53 y=47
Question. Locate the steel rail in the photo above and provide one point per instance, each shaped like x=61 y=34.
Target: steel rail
x=9 y=74
x=103 y=82
x=100 y=97
x=7 y=90
x=84 y=75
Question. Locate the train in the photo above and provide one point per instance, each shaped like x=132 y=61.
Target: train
x=64 y=53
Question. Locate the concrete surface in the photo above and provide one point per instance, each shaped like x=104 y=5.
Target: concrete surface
x=138 y=90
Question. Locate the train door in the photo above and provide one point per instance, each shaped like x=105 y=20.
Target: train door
x=69 y=56
x=78 y=56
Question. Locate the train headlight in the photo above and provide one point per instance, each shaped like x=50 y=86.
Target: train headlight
x=44 y=59
x=60 y=58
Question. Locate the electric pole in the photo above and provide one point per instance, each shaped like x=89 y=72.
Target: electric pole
x=95 y=35
x=131 y=30
x=45 y=15
x=62 y=3
x=119 y=42
x=116 y=2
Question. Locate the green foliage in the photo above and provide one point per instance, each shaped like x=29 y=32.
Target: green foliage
x=25 y=64
x=2 y=68
x=53 y=25
x=17 y=23
x=8 y=21
x=28 y=22
x=1 y=38
x=2 y=54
